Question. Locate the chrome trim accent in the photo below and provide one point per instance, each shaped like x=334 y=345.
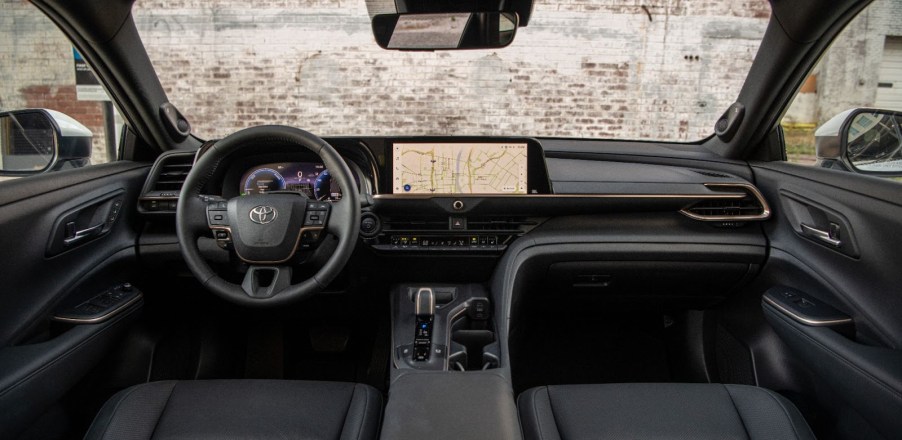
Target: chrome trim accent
x=765 y=208
x=101 y=318
x=260 y=214
x=818 y=234
x=575 y=196
x=806 y=321
x=424 y=307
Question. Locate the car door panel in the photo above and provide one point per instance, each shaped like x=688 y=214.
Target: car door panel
x=33 y=282
x=856 y=271
x=41 y=359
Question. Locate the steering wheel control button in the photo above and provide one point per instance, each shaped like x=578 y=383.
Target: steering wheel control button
x=316 y=214
x=310 y=238
x=217 y=218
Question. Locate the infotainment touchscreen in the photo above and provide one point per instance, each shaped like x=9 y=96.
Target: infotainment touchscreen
x=459 y=168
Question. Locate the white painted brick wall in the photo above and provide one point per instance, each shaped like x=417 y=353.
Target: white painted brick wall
x=231 y=64
x=614 y=74
x=847 y=74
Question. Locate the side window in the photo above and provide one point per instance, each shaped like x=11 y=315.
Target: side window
x=847 y=114
x=54 y=114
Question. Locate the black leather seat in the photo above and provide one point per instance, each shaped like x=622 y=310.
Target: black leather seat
x=245 y=409
x=657 y=411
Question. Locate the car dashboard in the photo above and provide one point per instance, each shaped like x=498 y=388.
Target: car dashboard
x=558 y=192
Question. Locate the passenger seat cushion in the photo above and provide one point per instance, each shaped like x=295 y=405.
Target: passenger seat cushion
x=247 y=409
x=649 y=411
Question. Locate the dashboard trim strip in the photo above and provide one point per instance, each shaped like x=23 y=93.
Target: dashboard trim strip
x=579 y=196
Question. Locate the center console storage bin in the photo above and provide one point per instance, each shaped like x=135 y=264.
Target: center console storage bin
x=452 y=406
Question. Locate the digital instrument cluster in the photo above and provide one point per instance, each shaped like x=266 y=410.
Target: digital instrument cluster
x=310 y=178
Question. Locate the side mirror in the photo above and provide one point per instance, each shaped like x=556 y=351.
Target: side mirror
x=453 y=30
x=862 y=140
x=36 y=141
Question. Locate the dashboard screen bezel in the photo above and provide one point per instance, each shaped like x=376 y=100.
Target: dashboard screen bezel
x=537 y=181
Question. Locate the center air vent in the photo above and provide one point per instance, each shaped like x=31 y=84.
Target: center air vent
x=416 y=224
x=740 y=203
x=498 y=224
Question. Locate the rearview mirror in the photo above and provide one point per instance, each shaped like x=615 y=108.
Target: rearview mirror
x=862 y=140
x=455 y=30
x=35 y=141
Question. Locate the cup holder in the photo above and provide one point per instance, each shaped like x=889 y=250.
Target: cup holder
x=473 y=346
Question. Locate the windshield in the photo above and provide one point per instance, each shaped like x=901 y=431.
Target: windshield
x=582 y=69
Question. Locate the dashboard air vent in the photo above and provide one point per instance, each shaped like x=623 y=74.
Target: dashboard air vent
x=173 y=172
x=740 y=203
x=415 y=224
x=498 y=223
x=161 y=191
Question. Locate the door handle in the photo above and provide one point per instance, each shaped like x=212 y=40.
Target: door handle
x=830 y=237
x=83 y=235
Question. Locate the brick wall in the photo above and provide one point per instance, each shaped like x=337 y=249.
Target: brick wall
x=626 y=69
x=655 y=69
x=847 y=74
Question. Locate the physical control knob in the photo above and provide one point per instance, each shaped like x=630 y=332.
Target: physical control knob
x=369 y=225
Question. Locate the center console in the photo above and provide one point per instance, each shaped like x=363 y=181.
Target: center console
x=443 y=327
x=447 y=381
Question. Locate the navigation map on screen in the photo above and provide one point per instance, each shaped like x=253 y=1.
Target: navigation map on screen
x=459 y=168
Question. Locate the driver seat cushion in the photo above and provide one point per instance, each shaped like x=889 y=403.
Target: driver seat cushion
x=661 y=410
x=246 y=409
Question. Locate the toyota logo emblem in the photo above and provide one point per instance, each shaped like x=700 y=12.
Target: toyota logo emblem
x=263 y=214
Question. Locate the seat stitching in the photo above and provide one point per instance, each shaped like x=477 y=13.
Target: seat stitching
x=113 y=414
x=785 y=412
x=366 y=406
x=163 y=412
x=553 y=416
x=347 y=411
x=535 y=412
x=738 y=414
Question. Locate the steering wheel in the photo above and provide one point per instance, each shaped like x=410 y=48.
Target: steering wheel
x=267 y=229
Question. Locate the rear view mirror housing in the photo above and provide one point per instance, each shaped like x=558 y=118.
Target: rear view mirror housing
x=445 y=31
x=36 y=141
x=862 y=140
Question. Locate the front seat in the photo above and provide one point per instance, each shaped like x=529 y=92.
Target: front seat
x=245 y=409
x=656 y=411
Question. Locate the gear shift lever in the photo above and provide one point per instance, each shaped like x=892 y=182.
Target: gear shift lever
x=425 y=313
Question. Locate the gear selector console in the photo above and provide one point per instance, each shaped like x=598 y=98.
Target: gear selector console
x=424 y=306
x=443 y=327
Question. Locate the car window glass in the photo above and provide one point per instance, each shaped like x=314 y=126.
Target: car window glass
x=580 y=68
x=861 y=70
x=39 y=69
